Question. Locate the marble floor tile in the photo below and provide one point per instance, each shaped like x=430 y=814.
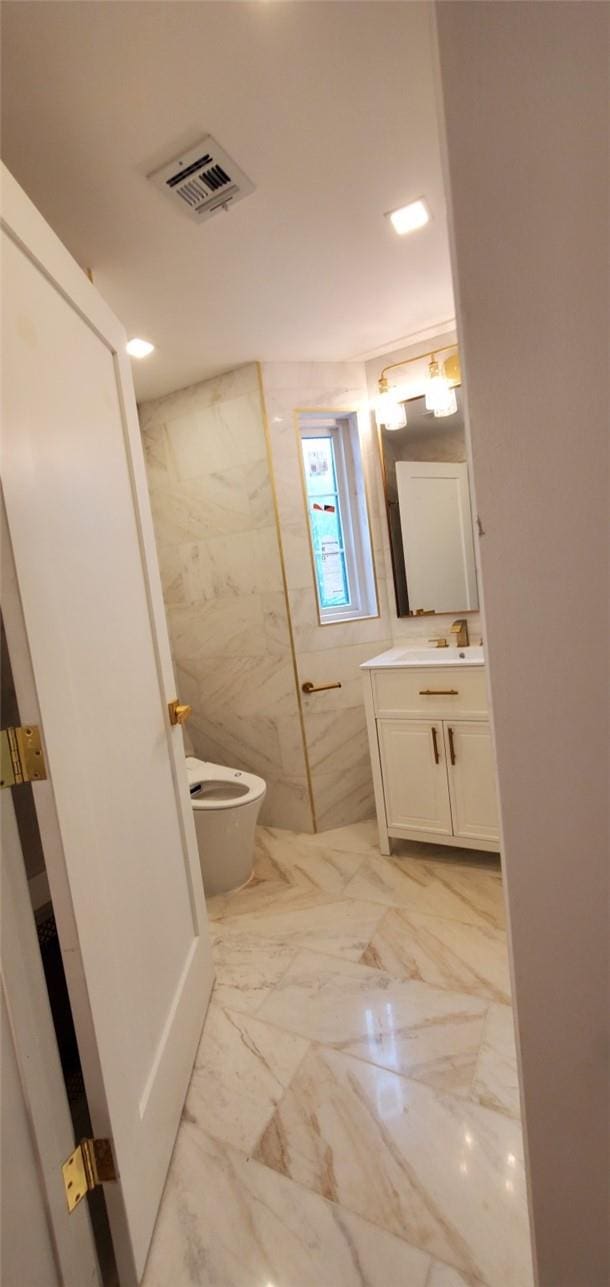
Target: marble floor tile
x=359 y=837
x=338 y=927
x=247 y=967
x=496 y=1082
x=452 y=893
x=447 y=1276
x=409 y=1027
x=440 y=1171
x=241 y=1072
x=298 y=861
x=227 y=1221
x=448 y=954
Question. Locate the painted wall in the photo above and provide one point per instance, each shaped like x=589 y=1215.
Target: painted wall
x=335 y=726
x=216 y=533
x=525 y=91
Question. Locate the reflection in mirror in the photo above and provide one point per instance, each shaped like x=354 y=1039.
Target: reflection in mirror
x=429 y=512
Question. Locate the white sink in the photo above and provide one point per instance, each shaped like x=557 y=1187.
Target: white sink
x=472 y=656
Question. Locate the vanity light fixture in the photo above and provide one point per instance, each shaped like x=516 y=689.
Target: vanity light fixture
x=139 y=348
x=390 y=411
x=440 y=397
x=408 y=218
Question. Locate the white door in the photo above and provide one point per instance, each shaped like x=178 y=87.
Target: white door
x=472 y=780
x=436 y=526
x=414 y=775
x=92 y=666
x=42 y=1246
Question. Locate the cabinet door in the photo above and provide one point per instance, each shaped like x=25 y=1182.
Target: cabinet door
x=414 y=775
x=472 y=780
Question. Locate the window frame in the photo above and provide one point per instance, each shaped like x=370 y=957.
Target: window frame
x=342 y=428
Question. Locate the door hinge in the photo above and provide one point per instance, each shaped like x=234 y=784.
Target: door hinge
x=91 y=1164
x=22 y=756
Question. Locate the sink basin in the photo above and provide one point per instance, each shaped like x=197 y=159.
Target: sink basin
x=472 y=656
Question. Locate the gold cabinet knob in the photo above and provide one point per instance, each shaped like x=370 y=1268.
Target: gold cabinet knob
x=179 y=712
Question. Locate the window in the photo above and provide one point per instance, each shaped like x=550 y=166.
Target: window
x=338 y=517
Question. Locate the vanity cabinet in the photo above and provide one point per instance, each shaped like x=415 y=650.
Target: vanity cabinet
x=431 y=753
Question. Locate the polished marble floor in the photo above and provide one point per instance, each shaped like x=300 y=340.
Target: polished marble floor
x=353 y=1117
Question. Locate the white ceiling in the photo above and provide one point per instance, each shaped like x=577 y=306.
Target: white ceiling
x=328 y=107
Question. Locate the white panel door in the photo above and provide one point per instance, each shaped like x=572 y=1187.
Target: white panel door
x=414 y=775
x=95 y=671
x=436 y=526
x=472 y=780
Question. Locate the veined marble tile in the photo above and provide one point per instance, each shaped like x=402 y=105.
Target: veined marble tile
x=357 y=837
x=344 y=796
x=476 y=898
x=448 y=954
x=228 y=1221
x=446 y=1276
x=287 y=802
x=154 y=444
x=408 y=1027
x=496 y=1082
x=259 y=492
x=277 y=633
x=337 y=739
x=300 y=862
x=203 y=439
x=324 y=924
x=240 y=1074
x=219 y=628
x=247 y=967
x=438 y=1170
x=252 y=684
x=232 y=384
x=195 y=510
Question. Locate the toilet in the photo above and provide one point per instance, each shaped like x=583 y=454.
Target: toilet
x=226 y=805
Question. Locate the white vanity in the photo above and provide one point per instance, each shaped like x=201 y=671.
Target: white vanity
x=431 y=750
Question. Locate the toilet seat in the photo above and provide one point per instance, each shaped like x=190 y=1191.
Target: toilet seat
x=221 y=787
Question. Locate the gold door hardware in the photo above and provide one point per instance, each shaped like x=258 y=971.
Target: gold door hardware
x=309 y=687
x=179 y=712
x=22 y=756
x=437 y=758
x=451 y=745
x=439 y=692
x=91 y=1164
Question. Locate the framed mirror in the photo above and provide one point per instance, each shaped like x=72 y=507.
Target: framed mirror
x=429 y=512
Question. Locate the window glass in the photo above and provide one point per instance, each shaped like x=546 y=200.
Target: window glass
x=324 y=512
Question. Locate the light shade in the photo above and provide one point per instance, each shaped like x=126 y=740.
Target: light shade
x=440 y=397
x=408 y=218
x=390 y=413
x=139 y=348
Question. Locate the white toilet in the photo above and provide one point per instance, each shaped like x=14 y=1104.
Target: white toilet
x=226 y=805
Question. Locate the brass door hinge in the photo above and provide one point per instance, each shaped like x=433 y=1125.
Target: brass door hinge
x=22 y=755
x=91 y=1164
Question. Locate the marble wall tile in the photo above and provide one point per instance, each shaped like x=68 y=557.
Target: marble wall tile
x=342 y=664
x=344 y=796
x=496 y=1082
x=241 y=1072
x=430 y=1035
x=361 y=1136
x=446 y=953
x=228 y=1220
x=334 y=737
x=219 y=554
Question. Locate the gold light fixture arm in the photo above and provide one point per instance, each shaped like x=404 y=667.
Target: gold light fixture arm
x=421 y=357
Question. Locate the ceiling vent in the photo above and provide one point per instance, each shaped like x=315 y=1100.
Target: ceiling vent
x=203 y=180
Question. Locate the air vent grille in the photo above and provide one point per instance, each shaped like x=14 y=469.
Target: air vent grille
x=203 y=180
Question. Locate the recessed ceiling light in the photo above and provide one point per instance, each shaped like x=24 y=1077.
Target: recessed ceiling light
x=139 y=348
x=408 y=218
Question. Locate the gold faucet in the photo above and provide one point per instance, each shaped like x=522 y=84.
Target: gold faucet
x=439 y=641
x=460 y=630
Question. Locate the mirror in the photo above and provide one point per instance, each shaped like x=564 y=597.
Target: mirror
x=429 y=512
